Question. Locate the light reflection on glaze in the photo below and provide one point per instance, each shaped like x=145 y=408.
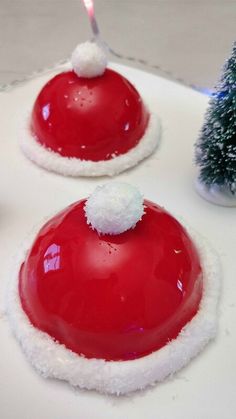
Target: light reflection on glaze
x=52 y=258
x=46 y=111
x=112 y=297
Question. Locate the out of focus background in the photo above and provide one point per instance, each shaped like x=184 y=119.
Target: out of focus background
x=188 y=39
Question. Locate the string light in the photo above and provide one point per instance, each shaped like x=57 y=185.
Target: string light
x=89 y=6
x=90 y=10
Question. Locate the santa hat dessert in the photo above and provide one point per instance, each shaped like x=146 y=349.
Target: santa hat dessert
x=89 y=121
x=113 y=294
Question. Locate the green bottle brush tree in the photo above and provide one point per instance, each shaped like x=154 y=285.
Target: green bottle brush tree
x=215 y=151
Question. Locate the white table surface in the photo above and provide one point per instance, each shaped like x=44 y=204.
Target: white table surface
x=206 y=388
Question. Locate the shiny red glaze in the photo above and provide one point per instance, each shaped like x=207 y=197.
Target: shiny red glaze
x=112 y=297
x=91 y=119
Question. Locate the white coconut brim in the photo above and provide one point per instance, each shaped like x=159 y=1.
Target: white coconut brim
x=216 y=194
x=71 y=166
x=54 y=360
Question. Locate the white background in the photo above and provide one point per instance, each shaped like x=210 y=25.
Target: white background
x=191 y=38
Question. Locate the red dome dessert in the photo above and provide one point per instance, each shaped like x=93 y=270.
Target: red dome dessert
x=89 y=121
x=112 y=297
x=114 y=279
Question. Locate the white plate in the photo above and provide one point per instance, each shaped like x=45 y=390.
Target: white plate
x=203 y=390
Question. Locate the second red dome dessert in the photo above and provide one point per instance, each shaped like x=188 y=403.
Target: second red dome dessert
x=115 y=283
x=90 y=120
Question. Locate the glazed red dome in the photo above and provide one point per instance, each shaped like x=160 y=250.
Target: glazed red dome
x=90 y=121
x=93 y=119
x=113 y=297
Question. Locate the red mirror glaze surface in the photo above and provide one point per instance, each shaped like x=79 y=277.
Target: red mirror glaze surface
x=112 y=297
x=91 y=119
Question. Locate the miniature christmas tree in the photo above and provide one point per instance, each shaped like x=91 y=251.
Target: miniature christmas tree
x=216 y=146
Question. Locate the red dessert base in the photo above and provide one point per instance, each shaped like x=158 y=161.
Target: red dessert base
x=111 y=297
x=89 y=119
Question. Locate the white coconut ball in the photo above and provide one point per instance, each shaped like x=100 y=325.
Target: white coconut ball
x=114 y=208
x=88 y=60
